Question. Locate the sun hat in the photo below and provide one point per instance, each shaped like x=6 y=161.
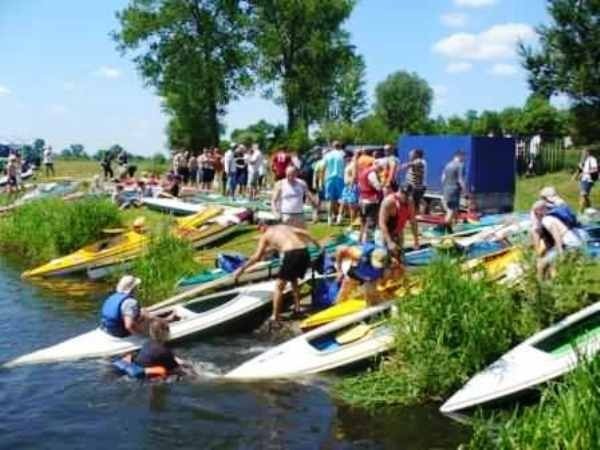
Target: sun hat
x=127 y=284
x=139 y=222
x=379 y=258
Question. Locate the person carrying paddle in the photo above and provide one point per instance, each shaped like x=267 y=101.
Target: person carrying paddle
x=396 y=210
x=290 y=242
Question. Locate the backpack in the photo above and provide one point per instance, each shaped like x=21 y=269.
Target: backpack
x=565 y=215
x=230 y=262
x=324 y=292
x=594 y=176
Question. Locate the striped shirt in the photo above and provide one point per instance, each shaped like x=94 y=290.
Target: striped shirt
x=417 y=173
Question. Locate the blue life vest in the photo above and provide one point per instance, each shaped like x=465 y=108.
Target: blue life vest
x=112 y=319
x=364 y=270
x=565 y=215
x=230 y=262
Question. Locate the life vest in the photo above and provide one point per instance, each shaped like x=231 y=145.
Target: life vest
x=366 y=191
x=565 y=215
x=364 y=270
x=112 y=319
x=396 y=223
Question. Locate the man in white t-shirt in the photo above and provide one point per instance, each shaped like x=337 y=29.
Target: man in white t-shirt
x=535 y=145
x=229 y=170
x=49 y=161
x=255 y=161
x=588 y=170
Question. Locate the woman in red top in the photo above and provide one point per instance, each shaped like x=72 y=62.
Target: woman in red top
x=279 y=163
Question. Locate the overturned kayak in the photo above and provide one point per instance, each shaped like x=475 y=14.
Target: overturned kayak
x=200 y=315
x=172 y=206
x=543 y=357
x=129 y=245
x=352 y=339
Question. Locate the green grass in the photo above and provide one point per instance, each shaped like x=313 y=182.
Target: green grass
x=566 y=417
x=164 y=262
x=45 y=229
x=528 y=189
x=86 y=169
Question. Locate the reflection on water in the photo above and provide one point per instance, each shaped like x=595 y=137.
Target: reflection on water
x=87 y=405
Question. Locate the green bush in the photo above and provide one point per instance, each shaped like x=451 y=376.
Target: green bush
x=454 y=327
x=45 y=229
x=164 y=262
x=567 y=417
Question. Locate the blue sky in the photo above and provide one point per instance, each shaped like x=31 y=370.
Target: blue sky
x=62 y=78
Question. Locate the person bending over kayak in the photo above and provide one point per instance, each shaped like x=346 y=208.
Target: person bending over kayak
x=121 y=312
x=364 y=266
x=290 y=242
x=396 y=210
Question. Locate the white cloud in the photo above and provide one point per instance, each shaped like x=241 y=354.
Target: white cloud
x=474 y=3
x=454 y=20
x=459 y=67
x=497 y=42
x=4 y=90
x=58 y=109
x=504 y=70
x=108 y=72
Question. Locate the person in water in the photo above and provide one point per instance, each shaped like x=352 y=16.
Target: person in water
x=290 y=242
x=121 y=314
x=396 y=211
x=155 y=357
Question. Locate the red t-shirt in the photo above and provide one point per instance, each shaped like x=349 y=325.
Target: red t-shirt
x=280 y=162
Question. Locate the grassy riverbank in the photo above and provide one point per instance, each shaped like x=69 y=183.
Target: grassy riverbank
x=456 y=326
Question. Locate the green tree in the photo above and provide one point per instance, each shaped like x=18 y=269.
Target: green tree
x=403 y=101
x=349 y=100
x=488 y=123
x=511 y=121
x=301 y=44
x=373 y=130
x=262 y=133
x=456 y=125
x=38 y=148
x=337 y=131
x=567 y=60
x=196 y=54
x=539 y=116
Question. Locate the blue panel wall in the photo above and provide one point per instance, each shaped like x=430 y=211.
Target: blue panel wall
x=490 y=162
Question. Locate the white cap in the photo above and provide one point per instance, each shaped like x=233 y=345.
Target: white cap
x=127 y=284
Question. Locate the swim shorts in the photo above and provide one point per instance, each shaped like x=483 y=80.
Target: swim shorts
x=350 y=195
x=333 y=189
x=294 y=265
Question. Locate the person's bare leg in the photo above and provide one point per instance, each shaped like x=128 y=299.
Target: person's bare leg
x=277 y=299
x=296 y=295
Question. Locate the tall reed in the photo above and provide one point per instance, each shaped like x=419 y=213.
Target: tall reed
x=48 y=228
x=163 y=263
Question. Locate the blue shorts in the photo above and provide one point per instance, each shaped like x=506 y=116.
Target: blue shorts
x=333 y=189
x=231 y=182
x=350 y=195
x=452 y=199
x=586 y=187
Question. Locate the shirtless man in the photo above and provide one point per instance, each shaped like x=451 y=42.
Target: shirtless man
x=396 y=210
x=291 y=243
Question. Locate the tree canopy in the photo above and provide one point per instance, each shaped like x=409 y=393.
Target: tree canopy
x=567 y=60
x=403 y=101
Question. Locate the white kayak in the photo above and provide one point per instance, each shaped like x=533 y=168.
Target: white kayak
x=543 y=357
x=173 y=206
x=346 y=341
x=200 y=315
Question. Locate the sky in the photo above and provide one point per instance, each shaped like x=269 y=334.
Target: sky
x=63 y=79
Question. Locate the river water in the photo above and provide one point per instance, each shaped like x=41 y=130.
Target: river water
x=86 y=405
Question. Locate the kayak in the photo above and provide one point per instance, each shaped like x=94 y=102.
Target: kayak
x=495 y=264
x=218 y=278
x=352 y=339
x=543 y=357
x=129 y=245
x=53 y=189
x=111 y=249
x=172 y=206
x=200 y=315
x=480 y=225
x=438 y=219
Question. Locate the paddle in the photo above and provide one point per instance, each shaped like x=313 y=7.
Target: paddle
x=114 y=230
x=356 y=333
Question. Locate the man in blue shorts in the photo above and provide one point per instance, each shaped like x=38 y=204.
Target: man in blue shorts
x=453 y=185
x=334 y=179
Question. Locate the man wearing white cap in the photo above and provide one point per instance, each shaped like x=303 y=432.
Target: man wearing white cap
x=121 y=312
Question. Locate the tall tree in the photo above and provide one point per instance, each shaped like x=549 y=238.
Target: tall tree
x=195 y=53
x=301 y=44
x=403 y=101
x=567 y=60
x=349 y=100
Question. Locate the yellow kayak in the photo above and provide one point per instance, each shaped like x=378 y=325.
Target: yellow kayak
x=126 y=246
x=114 y=248
x=494 y=265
